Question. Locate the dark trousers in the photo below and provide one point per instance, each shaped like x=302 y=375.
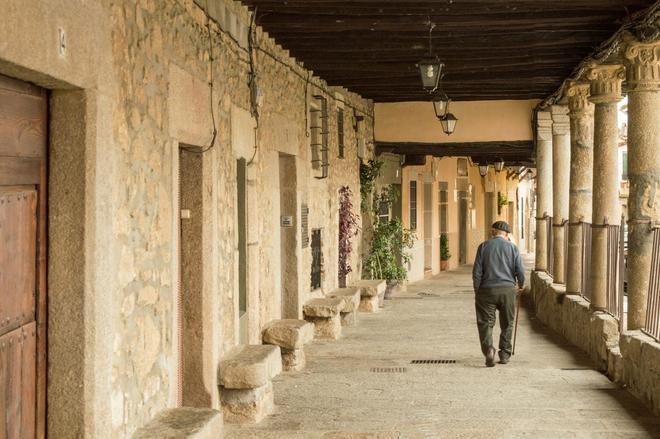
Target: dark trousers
x=487 y=301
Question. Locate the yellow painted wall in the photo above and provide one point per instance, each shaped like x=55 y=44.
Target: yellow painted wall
x=478 y=121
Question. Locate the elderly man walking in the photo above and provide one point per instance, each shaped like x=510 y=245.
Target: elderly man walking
x=498 y=276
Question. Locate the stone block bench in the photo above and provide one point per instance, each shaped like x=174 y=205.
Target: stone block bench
x=351 y=297
x=325 y=314
x=183 y=423
x=373 y=292
x=290 y=335
x=246 y=372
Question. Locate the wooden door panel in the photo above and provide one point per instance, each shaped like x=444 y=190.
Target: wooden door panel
x=18 y=383
x=19 y=170
x=22 y=121
x=23 y=176
x=18 y=232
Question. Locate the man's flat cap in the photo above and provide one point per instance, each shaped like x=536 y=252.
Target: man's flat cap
x=502 y=225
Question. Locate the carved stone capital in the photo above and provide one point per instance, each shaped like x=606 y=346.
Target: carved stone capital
x=560 y=123
x=578 y=100
x=544 y=125
x=605 y=81
x=642 y=65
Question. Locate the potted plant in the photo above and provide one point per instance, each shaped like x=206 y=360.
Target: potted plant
x=445 y=255
x=390 y=242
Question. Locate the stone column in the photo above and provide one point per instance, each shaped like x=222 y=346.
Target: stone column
x=605 y=93
x=561 y=160
x=643 y=79
x=543 y=185
x=580 y=195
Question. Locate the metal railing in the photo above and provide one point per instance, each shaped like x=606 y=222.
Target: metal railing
x=652 y=326
x=615 y=271
x=549 y=257
x=553 y=235
x=585 y=287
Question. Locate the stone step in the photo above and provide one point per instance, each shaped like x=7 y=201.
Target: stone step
x=370 y=288
x=351 y=297
x=250 y=366
x=289 y=334
x=183 y=423
x=324 y=308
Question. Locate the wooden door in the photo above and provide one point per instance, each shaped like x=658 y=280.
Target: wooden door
x=23 y=135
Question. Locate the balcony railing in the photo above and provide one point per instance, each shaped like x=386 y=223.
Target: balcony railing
x=549 y=257
x=614 y=270
x=585 y=287
x=653 y=300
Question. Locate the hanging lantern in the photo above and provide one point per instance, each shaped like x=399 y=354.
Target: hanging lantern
x=499 y=165
x=440 y=104
x=430 y=69
x=448 y=122
x=483 y=170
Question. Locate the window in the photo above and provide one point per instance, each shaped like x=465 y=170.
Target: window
x=340 y=132
x=444 y=198
x=383 y=212
x=413 y=205
x=624 y=165
x=462 y=167
x=317 y=259
x=319 y=135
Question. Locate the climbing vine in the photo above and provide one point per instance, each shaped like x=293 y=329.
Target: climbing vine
x=502 y=201
x=369 y=172
x=348 y=228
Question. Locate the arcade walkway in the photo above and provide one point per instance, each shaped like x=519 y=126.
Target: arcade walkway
x=364 y=385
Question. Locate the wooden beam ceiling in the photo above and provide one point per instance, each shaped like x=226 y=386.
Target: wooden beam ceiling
x=492 y=49
x=514 y=153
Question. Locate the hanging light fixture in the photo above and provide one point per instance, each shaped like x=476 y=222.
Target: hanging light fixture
x=448 y=122
x=429 y=68
x=483 y=169
x=499 y=165
x=440 y=104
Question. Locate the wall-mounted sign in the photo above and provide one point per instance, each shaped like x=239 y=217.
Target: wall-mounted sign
x=286 y=221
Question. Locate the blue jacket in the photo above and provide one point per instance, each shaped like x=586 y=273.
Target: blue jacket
x=497 y=264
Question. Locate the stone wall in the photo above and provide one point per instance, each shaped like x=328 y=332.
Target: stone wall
x=139 y=71
x=631 y=359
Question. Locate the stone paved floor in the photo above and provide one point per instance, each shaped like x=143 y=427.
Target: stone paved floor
x=547 y=391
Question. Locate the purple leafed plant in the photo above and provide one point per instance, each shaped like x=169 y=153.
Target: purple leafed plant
x=348 y=228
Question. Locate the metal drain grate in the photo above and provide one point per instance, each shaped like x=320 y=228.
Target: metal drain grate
x=576 y=368
x=389 y=369
x=433 y=362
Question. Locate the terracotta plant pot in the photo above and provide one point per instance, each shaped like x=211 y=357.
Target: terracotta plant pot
x=444 y=265
x=395 y=287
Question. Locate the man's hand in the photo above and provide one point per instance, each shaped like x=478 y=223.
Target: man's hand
x=520 y=290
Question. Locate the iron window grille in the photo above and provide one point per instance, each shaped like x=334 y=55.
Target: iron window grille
x=340 y=132
x=413 y=205
x=319 y=135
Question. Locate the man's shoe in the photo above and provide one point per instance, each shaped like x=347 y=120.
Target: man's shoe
x=504 y=359
x=490 y=357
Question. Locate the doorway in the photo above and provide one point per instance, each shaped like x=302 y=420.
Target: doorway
x=241 y=214
x=428 y=227
x=192 y=391
x=23 y=237
x=462 y=226
x=288 y=227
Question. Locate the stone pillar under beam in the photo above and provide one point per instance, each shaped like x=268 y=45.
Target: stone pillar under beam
x=543 y=185
x=580 y=194
x=605 y=81
x=643 y=79
x=561 y=160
